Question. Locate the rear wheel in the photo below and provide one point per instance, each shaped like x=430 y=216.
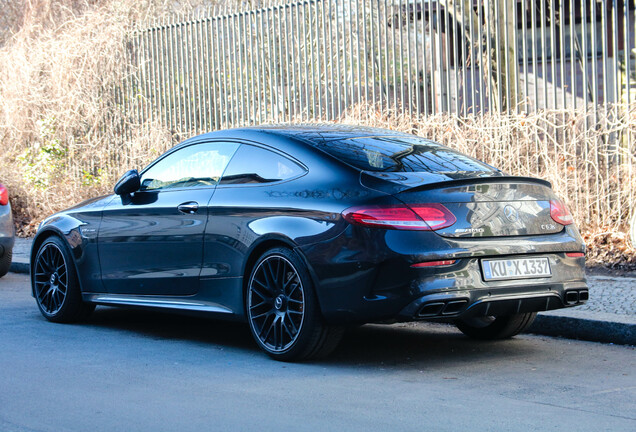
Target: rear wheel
x=5 y=262
x=283 y=312
x=55 y=284
x=501 y=327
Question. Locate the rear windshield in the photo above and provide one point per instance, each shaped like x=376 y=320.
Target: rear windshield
x=401 y=154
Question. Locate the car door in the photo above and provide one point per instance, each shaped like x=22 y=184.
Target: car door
x=151 y=242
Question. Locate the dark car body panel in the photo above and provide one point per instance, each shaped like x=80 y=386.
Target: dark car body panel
x=7 y=230
x=140 y=250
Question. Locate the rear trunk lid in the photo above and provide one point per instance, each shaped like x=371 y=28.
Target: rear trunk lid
x=493 y=206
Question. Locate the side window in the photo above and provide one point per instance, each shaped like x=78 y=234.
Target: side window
x=255 y=165
x=197 y=165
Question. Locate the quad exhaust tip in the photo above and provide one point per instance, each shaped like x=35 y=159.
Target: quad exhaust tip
x=573 y=297
x=442 y=308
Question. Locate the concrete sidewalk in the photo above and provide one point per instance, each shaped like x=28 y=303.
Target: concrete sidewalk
x=609 y=316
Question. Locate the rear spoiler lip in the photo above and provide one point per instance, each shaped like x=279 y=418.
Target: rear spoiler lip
x=478 y=180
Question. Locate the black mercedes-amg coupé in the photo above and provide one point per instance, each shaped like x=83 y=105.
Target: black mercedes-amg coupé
x=303 y=230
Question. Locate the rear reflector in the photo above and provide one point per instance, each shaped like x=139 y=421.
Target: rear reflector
x=434 y=263
x=4 y=195
x=422 y=217
x=575 y=254
x=560 y=213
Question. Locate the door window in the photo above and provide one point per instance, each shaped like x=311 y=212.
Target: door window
x=194 y=166
x=255 y=165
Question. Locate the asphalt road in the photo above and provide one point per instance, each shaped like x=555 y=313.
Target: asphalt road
x=128 y=370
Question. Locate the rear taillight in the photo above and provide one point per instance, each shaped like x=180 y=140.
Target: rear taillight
x=442 y=263
x=560 y=213
x=4 y=195
x=422 y=217
x=575 y=254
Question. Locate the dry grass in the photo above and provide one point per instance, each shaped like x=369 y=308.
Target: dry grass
x=62 y=127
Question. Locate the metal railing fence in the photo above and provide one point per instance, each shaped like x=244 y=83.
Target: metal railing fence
x=317 y=60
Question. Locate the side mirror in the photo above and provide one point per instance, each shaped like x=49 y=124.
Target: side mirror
x=128 y=183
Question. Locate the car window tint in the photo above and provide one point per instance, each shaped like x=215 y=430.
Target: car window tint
x=198 y=165
x=253 y=164
x=400 y=154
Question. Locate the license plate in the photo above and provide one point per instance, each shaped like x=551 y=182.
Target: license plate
x=520 y=268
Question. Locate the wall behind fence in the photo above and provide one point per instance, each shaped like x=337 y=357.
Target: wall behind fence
x=551 y=83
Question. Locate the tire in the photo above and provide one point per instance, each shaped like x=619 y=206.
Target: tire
x=501 y=327
x=282 y=309
x=55 y=284
x=5 y=262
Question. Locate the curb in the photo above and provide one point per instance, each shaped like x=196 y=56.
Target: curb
x=585 y=328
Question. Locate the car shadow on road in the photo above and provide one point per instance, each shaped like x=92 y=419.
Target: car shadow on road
x=398 y=346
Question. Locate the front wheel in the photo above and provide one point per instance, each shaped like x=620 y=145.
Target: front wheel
x=501 y=327
x=5 y=262
x=55 y=284
x=283 y=312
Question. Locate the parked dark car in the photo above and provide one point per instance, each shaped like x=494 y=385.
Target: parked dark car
x=7 y=231
x=303 y=230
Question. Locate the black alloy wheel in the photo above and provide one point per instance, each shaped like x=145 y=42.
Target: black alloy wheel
x=283 y=312
x=55 y=284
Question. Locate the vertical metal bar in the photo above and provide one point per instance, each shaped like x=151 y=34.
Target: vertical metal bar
x=447 y=62
x=351 y=70
x=524 y=37
x=480 y=23
x=404 y=16
x=324 y=59
x=584 y=55
x=506 y=59
x=282 y=104
x=544 y=52
x=474 y=80
x=210 y=68
x=464 y=64
x=395 y=104
x=169 y=76
x=594 y=60
x=605 y=47
x=305 y=60
x=340 y=83
x=260 y=73
x=515 y=44
x=456 y=58
x=367 y=57
x=252 y=49
x=615 y=50
x=386 y=55
x=238 y=69
x=176 y=99
x=153 y=79
x=562 y=53
x=188 y=74
x=377 y=55
x=487 y=19
x=220 y=98
x=229 y=76
x=201 y=102
x=440 y=62
x=297 y=57
x=417 y=58
x=164 y=74
x=535 y=71
x=359 y=69
x=573 y=37
x=313 y=64
x=500 y=77
x=332 y=57
x=226 y=83
x=626 y=51
x=553 y=54
x=286 y=31
x=385 y=81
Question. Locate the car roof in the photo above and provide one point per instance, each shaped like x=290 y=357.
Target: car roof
x=314 y=133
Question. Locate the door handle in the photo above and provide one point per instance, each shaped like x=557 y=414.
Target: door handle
x=189 y=207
